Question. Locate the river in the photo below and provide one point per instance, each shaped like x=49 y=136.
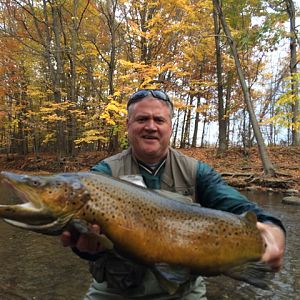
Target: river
x=34 y=266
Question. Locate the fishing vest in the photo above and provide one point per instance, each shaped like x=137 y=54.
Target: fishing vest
x=179 y=174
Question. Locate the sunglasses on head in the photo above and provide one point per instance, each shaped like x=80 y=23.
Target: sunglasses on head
x=144 y=93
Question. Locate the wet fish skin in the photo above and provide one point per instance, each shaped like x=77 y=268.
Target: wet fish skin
x=142 y=224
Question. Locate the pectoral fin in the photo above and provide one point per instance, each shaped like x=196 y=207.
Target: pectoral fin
x=171 y=277
x=105 y=241
x=78 y=226
x=258 y=274
x=250 y=217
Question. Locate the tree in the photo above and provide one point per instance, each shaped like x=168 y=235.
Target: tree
x=67 y=69
x=267 y=164
x=223 y=144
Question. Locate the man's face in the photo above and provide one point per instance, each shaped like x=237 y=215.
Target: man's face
x=149 y=129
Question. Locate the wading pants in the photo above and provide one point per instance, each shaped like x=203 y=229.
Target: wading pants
x=149 y=290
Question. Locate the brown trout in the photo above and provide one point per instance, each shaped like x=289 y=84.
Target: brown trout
x=141 y=224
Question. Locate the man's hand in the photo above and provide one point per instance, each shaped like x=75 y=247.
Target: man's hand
x=85 y=242
x=274 y=238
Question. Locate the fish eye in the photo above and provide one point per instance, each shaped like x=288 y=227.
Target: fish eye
x=34 y=182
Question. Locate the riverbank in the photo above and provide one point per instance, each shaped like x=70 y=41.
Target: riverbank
x=239 y=168
x=245 y=170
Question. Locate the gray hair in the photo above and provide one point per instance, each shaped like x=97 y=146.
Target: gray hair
x=170 y=106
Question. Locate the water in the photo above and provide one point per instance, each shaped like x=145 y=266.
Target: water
x=34 y=266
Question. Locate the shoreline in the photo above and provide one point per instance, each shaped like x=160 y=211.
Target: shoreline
x=241 y=169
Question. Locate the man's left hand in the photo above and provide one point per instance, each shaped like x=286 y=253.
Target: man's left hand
x=274 y=238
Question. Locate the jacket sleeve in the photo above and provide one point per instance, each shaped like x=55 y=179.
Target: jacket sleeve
x=213 y=192
x=102 y=167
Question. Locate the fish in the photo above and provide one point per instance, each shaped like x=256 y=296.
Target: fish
x=177 y=239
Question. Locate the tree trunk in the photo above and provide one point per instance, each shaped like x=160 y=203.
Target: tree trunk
x=72 y=86
x=175 y=129
x=186 y=135
x=221 y=110
x=196 y=126
x=58 y=76
x=293 y=70
x=202 y=144
x=109 y=9
x=229 y=84
x=269 y=169
x=182 y=138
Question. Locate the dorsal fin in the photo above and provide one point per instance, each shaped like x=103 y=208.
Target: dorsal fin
x=250 y=217
x=174 y=196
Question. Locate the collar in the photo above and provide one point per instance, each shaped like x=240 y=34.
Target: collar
x=153 y=169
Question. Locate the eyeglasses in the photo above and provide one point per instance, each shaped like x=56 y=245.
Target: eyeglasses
x=137 y=96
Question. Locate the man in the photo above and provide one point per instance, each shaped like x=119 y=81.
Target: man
x=158 y=166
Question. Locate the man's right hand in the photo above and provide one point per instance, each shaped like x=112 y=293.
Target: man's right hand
x=85 y=242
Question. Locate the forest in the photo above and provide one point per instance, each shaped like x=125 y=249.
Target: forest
x=67 y=68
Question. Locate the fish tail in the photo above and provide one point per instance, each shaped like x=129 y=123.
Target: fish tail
x=258 y=274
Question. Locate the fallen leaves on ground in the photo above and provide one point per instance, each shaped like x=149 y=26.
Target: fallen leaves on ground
x=241 y=168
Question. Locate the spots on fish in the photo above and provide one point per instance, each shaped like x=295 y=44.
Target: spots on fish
x=121 y=205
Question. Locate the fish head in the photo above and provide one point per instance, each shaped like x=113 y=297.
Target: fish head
x=49 y=201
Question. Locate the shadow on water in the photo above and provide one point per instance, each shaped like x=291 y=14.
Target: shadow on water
x=35 y=266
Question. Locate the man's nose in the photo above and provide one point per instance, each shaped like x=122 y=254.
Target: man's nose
x=150 y=125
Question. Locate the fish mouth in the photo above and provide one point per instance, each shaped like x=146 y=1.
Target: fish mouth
x=13 y=182
x=31 y=214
